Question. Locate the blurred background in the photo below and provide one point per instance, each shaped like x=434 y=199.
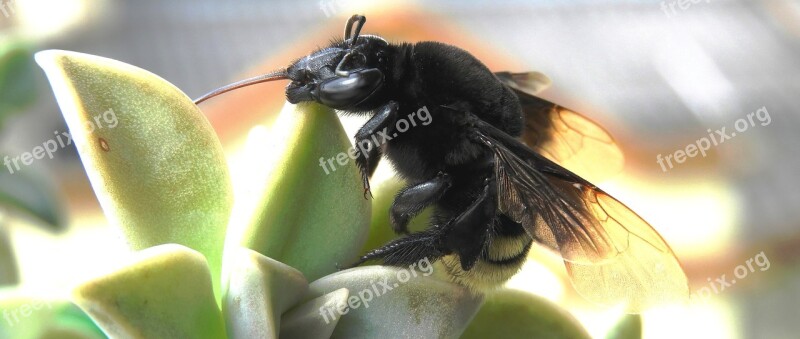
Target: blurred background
x=659 y=75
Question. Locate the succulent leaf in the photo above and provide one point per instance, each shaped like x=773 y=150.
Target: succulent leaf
x=153 y=159
x=165 y=293
x=300 y=214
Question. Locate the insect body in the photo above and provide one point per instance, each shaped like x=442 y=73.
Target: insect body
x=490 y=163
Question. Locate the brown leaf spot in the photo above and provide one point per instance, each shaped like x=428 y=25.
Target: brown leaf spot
x=104 y=144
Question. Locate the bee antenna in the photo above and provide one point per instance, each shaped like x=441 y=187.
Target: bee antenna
x=349 y=27
x=277 y=75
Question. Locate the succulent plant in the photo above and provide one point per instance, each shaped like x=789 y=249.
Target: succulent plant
x=265 y=264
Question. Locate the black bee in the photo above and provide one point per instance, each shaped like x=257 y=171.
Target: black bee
x=493 y=195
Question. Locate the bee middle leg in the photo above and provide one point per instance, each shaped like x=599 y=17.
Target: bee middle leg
x=413 y=199
x=466 y=234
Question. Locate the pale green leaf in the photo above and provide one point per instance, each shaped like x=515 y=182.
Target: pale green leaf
x=165 y=293
x=153 y=159
x=307 y=321
x=297 y=213
x=26 y=316
x=259 y=290
x=516 y=314
x=628 y=327
x=390 y=302
x=71 y=322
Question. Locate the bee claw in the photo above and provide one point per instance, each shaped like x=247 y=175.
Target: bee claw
x=365 y=180
x=358 y=262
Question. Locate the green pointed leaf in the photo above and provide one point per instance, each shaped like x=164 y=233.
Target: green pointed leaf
x=8 y=261
x=387 y=302
x=27 y=192
x=629 y=327
x=516 y=314
x=297 y=214
x=260 y=289
x=165 y=293
x=17 y=78
x=153 y=159
x=306 y=320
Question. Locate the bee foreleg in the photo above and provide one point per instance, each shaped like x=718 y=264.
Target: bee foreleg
x=370 y=153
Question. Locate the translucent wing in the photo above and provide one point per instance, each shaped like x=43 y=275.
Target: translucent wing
x=575 y=142
x=530 y=82
x=612 y=255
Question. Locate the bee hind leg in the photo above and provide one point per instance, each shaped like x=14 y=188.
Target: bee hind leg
x=468 y=234
x=409 y=249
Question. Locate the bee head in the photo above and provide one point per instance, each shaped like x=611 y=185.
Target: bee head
x=341 y=76
x=346 y=75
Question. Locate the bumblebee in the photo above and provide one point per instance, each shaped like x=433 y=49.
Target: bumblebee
x=493 y=165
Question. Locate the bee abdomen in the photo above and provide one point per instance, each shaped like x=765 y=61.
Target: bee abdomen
x=505 y=254
x=507 y=251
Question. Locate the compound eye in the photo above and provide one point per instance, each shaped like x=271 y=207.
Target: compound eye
x=343 y=92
